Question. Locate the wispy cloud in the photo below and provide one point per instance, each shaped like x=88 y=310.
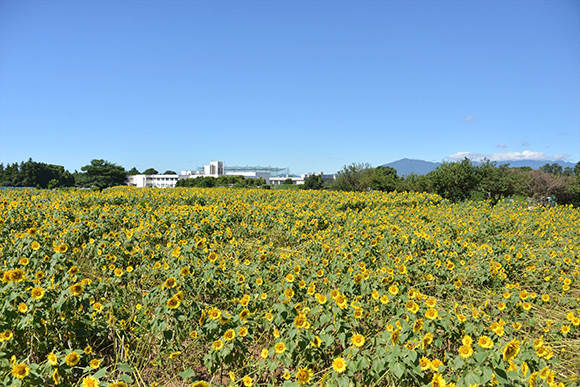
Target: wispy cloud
x=509 y=156
x=469 y=119
x=502 y=145
x=524 y=143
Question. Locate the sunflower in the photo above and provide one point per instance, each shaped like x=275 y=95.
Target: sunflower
x=264 y=353
x=173 y=302
x=485 y=342
x=511 y=350
x=95 y=363
x=89 y=381
x=316 y=342
x=431 y=314
x=339 y=365
x=217 y=345
x=280 y=347
x=16 y=275
x=72 y=359
x=358 y=340
x=170 y=283
x=230 y=335
x=395 y=336
x=76 y=289
x=412 y=306
x=201 y=383
x=425 y=363
x=22 y=307
x=248 y=382
x=244 y=314
x=465 y=351
x=37 y=293
x=418 y=325
x=303 y=376
x=438 y=380
x=214 y=313
x=35 y=245
x=20 y=371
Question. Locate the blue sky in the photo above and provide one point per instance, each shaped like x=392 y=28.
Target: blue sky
x=309 y=85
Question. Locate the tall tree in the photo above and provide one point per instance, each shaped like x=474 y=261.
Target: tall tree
x=150 y=171
x=133 y=171
x=313 y=182
x=102 y=174
x=455 y=180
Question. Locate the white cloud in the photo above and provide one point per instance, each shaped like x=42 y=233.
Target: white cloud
x=469 y=119
x=524 y=143
x=508 y=156
x=501 y=145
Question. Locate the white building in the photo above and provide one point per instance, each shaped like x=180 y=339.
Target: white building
x=213 y=169
x=158 y=181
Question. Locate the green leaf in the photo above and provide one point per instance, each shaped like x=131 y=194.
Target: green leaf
x=379 y=364
x=472 y=378
x=487 y=374
x=124 y=367
x=126 y=378
x=188 y=373
x=398 y=369
x=343 y=381
x=480 y=357
x=100 y=373
x=458 y=363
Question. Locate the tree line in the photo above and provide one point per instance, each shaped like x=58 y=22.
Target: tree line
x=455 y=181
x=464 y=180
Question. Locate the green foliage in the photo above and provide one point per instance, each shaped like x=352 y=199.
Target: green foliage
x=34 y=174
x=382 y=179
x=288 y=181
x=170 y=172
x=455 y=180
x=222 y=181
x=102 y=174
x=313 y=182
x=150 y=171
x=133 y=171
x=351 y=178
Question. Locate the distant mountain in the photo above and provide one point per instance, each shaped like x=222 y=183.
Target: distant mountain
x=408 y=166
x=421 y=167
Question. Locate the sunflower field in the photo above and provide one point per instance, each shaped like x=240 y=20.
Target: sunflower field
x=227 y=287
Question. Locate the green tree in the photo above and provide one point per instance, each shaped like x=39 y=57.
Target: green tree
x=170 y=172
x=313 y=182
x=133 y=171
x=382 y=178
x=102 y=174
x=150 y=171
x=496 y=182
x=288 y=181
x=554 y=168
x=455 y=181
x=351 y=178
